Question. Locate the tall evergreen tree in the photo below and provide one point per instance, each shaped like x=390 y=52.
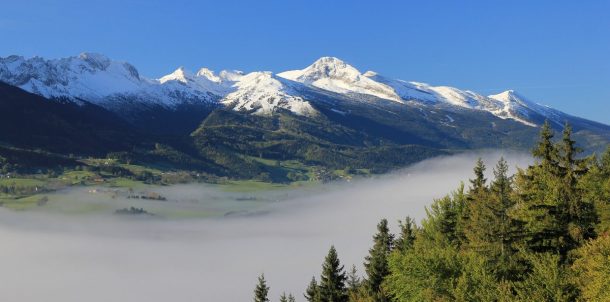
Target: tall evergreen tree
x=405 y=240
x=596 y=186
x=491 y=232
x=444 y=214
x=545 y=149
x=291 y=298
x=353 y=281
x=550 y=204
x=261 y=292
x=283 y=298
x=581 y=213
x=376 y=263
x=332 y=281
x=479 y=183
x=475 y=198
x=312 y=293
x=502 y=203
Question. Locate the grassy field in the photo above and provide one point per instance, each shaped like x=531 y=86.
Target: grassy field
x=96 y=191
x=180 y=201
x=22 y=182
x=23 y=203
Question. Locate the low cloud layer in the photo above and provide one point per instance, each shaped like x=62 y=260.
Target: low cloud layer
x=56 y=258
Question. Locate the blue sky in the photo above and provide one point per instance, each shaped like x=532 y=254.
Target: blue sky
x=554 y=52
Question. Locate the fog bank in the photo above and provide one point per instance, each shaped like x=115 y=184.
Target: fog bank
x=71 y=258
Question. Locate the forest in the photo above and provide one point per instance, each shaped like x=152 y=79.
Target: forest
x=539 y=235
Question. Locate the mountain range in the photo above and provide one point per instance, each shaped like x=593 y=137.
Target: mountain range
x=328 y=115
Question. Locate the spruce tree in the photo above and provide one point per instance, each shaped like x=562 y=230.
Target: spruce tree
x=545 y=149
x=539 y=207
x=491 y=232
x=476 y=196
x=505 y=230
x=407 y=235
x=261 y=292
x=550 y=203
x=447 y=216
x=376 y=263
x=479 y=183
x=353 y=281
x=596 y=186
x=289 y=298
x=283 y=298
x=312 y=293
x=581 y=214
x=332 y=281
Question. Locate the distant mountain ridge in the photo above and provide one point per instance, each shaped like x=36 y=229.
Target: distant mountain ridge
x=100 y=80
x=328 y=116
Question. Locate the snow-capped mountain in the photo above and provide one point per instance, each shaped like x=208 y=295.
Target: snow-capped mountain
x=518 y=106
x=263 y=93
x=514 y=108
x=328 y=114
x=113 y=85
x=100 y=80
x=334 y=75
x=205 y=80
x=88 y=76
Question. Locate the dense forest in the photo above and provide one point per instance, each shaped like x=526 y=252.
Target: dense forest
x=539 y=235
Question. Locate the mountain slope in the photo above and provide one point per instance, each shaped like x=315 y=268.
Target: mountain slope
x=119 y=87
x=334 y=75
x=262 y=93
x=31 y=121
x=328 y=116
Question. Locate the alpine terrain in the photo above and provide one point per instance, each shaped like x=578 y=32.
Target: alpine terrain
x=321 y=122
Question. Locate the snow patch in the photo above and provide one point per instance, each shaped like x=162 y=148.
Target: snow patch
x=263 y=93
x=334 y=75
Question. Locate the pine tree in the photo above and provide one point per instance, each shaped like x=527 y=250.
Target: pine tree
x=291 y=298
x=550 y=203
x=312 y=293
x=581 y=213
x=444 y=218
x=476 y=196
x=479 y=183
x=353 y=281
x=407 y=235
x=376 y=264
x=596 y=186
x=491 y=232
x=261 y=292
x=545 y=150
x=332 y=281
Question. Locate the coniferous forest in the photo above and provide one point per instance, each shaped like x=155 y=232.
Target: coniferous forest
x=539 y=235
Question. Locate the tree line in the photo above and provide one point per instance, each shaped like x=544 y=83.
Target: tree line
x=539 y=235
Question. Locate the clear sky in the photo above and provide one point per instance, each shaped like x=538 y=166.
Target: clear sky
x=554 y=52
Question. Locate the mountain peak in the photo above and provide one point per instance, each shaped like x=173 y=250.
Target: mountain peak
x=329 y=61
x=208 y=74
x=98 y=60
x=333 y=74
x=263 y=93
x=329 y=67
x=180 y=75
x=508 y=96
